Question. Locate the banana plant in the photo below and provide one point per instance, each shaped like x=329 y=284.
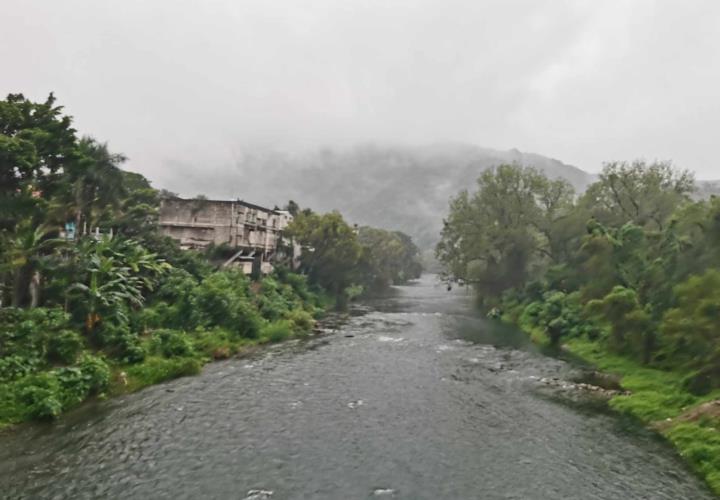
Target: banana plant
x=119 y=272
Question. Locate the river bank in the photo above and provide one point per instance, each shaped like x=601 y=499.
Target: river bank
x=49 y=365
x=125 y=378
x=658 y=400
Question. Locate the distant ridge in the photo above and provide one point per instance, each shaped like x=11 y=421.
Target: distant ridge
x=390 y=186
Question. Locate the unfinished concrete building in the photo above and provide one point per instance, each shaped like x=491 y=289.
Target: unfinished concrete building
x=255 y=232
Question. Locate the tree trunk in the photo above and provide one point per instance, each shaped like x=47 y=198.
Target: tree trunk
x=35 y=289
x=21 y=282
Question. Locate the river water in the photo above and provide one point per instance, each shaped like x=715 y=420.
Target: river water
x=415 y=397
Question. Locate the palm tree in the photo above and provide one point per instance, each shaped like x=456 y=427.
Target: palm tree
x=94 y=185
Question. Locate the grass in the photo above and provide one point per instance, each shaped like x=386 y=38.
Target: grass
x=152 y=370
x=276 y=331
x=657 y=398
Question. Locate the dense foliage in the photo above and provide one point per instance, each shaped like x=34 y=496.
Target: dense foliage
x=94 y=300
x=632 y=266
x=341 y=258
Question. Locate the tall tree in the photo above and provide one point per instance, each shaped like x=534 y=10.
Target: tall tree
x=37 y=142
x=638 y=192
x=496 y=236
x=330 y=249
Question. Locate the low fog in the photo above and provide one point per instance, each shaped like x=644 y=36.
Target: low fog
x=186 y=89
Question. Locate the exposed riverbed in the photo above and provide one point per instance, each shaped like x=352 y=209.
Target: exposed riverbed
x=416 y=398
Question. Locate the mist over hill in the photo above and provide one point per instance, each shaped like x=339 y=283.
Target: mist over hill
x=705 y=189
x=393 y=187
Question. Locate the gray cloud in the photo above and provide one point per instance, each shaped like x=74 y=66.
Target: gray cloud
x=196 y=82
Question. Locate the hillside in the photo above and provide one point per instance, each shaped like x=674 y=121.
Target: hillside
x=393 y=187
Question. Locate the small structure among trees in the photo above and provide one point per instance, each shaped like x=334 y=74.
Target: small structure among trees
x=241 y=233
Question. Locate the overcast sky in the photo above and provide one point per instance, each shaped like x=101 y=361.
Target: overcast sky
x=198 y=81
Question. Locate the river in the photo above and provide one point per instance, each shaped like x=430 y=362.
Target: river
x=415 y=396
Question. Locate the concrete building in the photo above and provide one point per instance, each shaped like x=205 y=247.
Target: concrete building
x=255 y=232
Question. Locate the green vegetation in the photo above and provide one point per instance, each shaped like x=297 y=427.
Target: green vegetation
x=94 y=301
x=627 y=276
x=347 y=261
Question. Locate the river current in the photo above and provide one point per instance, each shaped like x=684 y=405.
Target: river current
x=414 y=396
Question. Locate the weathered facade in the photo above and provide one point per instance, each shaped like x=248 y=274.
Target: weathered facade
x=254 y=231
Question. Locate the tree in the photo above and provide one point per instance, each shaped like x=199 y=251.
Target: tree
x=330 y=249
x=631 y=328
x=499 y=236
x=292 y=207
x=692 y=325
x=36 y=143
x=388 y=257
x=638 y=192
x=95 y=186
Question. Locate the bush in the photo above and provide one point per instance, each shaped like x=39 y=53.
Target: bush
x=559 y=315
x=14 y=367
x=277 y=331
x=631 y=327
x=65 y=346
x=172 y=343
x=40 y=396
x=121 y=343
x=246 y=320
x=96 y=373
x=175 y=303
x=301 y=321
x=222 y=299
x=26 y=332
x=298 y=283
x=274 y=299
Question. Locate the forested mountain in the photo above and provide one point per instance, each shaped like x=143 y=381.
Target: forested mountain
x=393 y=187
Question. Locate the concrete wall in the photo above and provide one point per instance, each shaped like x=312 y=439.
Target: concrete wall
x=198 y=223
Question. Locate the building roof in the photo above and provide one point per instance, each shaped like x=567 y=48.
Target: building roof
x=237 y=202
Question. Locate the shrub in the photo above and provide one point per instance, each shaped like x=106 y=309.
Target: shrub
x=14 y=367
x=630 y=325
x=274 y=299
x=40 y=396
x=247 y=320
x=95 y=372
x=559 y=315
x=301 y=321
x=298 y=283
x=172 y=343
x=121 y=343
x=65 y=346
x=223 y=300
x=77 y=383
x=277 y=331
x=25 y=332
x=175 y=303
